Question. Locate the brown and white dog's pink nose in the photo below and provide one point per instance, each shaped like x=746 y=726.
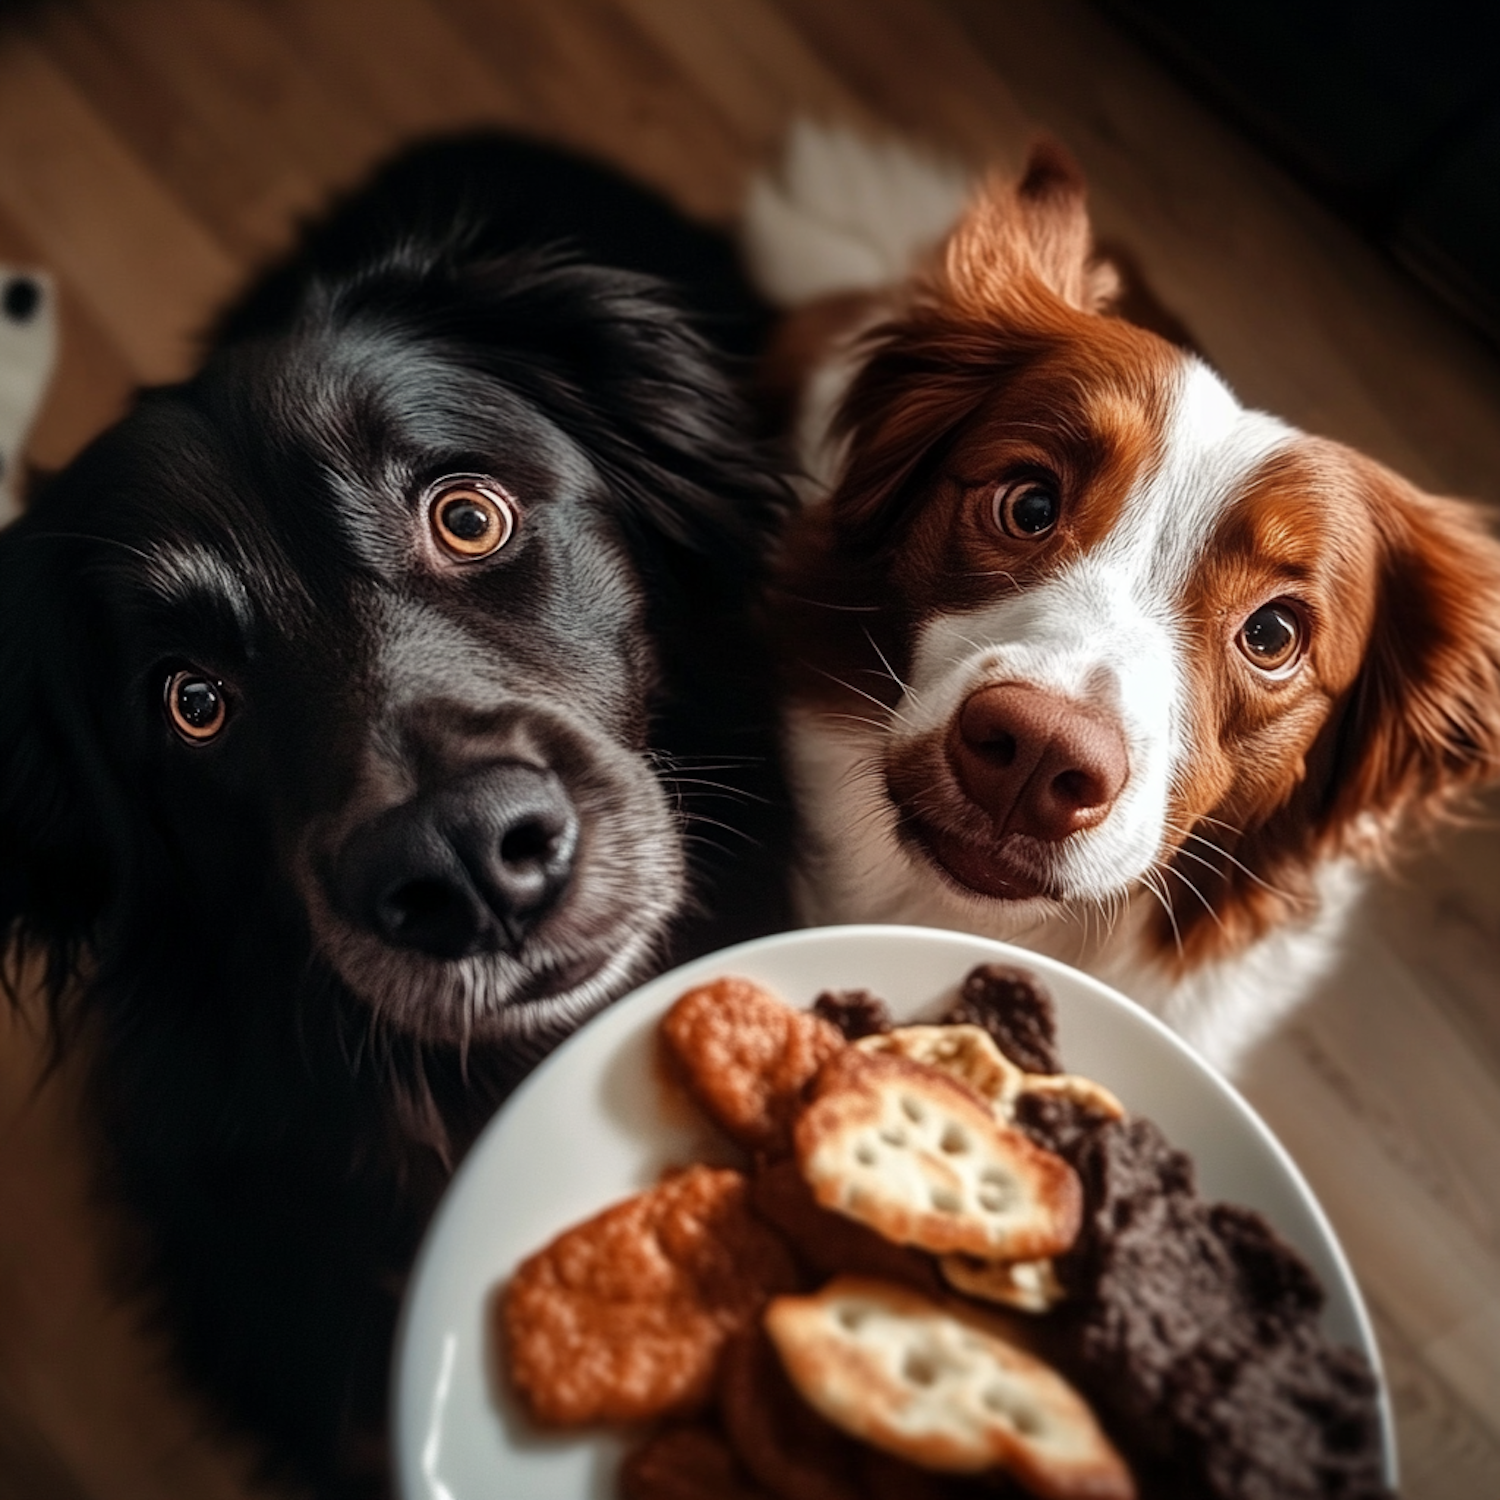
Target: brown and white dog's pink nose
x=1038 y=763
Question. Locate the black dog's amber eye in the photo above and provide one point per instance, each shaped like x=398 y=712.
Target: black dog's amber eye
x=471 y=519
x=1027 y=508
x=1272 y=637
x=196 y=706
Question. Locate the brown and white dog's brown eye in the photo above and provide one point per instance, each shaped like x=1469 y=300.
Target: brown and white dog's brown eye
x=1027 y=508
x=471 y=518
x=1272 y=638
x=196 y=705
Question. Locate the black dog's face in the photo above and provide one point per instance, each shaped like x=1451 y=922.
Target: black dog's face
x=357 y=635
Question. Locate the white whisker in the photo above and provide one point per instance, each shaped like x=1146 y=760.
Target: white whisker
x=1239 y=864
x=891 y=671
x=890 y=709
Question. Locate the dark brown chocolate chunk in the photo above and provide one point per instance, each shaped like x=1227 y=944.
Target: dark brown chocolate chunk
x=1057 y=1123
x=1014 y=1007
x=856 y=1013
x=1194 y=1329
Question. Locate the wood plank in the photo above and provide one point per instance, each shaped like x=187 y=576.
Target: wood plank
x=227 y=111
x=1446 y=1454
x=921 y=73
x=146 y=270
x=1453 y=881
x=753 y=63
x=1467 y=1356
x=421 y=78
x=1425 y=1097
x=1396 y=1126
x=144 y=110
x=590 y=78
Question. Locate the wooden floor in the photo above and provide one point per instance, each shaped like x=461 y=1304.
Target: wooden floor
x=153 y=152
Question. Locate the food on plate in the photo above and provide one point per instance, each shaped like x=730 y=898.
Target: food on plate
x=689 y=1462
x=746 y=1057
x=856 y=1013
x=949 y=1270
x=922 y=1160
x=1026 y=1285
x=1196 y=1328
x=623 y=1317
x=827 y=1241
x=963 y=1052
x=785 y=1445
x=1012 y=1006
x=968 y=1053
x=941 y=1387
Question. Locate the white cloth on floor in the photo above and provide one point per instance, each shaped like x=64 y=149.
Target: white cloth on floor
x=28 y=352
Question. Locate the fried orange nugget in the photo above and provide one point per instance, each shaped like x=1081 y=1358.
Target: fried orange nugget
x=746 y=1057
x=622 y=1317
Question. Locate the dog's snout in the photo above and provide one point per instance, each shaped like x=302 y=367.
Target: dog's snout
x=470 y=867
x=1037 y=762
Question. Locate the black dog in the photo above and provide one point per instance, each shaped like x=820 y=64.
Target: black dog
x=358 y=700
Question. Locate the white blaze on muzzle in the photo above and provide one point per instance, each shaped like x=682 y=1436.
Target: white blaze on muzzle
x=1104 y=634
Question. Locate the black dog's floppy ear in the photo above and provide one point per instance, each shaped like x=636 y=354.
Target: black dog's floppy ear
x=60 y=811
x=675 y=439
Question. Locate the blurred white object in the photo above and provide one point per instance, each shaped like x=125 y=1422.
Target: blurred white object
x=28 y=351
x=843 y=213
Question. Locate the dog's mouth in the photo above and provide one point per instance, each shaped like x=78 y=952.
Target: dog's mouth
x=1010 y=868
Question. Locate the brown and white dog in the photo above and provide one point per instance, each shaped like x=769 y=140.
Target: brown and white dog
x=1082 y=652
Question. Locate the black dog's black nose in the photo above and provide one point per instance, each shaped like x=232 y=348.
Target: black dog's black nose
x=469 y=868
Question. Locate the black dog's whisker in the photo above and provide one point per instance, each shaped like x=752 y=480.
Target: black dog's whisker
x=716 y=788
x=91 y=538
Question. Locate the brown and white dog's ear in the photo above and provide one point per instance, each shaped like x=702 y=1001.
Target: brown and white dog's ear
x=1016 y=233
x=1019 y=266
x=1422 y=724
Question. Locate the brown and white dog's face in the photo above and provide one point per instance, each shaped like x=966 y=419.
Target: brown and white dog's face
x=1122 y=630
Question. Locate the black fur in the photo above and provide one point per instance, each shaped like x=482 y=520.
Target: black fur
x=284 y=1095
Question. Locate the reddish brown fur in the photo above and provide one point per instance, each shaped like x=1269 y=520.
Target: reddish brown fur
x=997 y=362
x=1000 y=360
x=1395 y=711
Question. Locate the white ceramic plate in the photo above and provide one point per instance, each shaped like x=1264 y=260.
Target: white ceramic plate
x=590 y=1126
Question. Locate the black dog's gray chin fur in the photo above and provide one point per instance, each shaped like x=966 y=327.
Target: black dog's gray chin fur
x=606 y=931
x=479 y=999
